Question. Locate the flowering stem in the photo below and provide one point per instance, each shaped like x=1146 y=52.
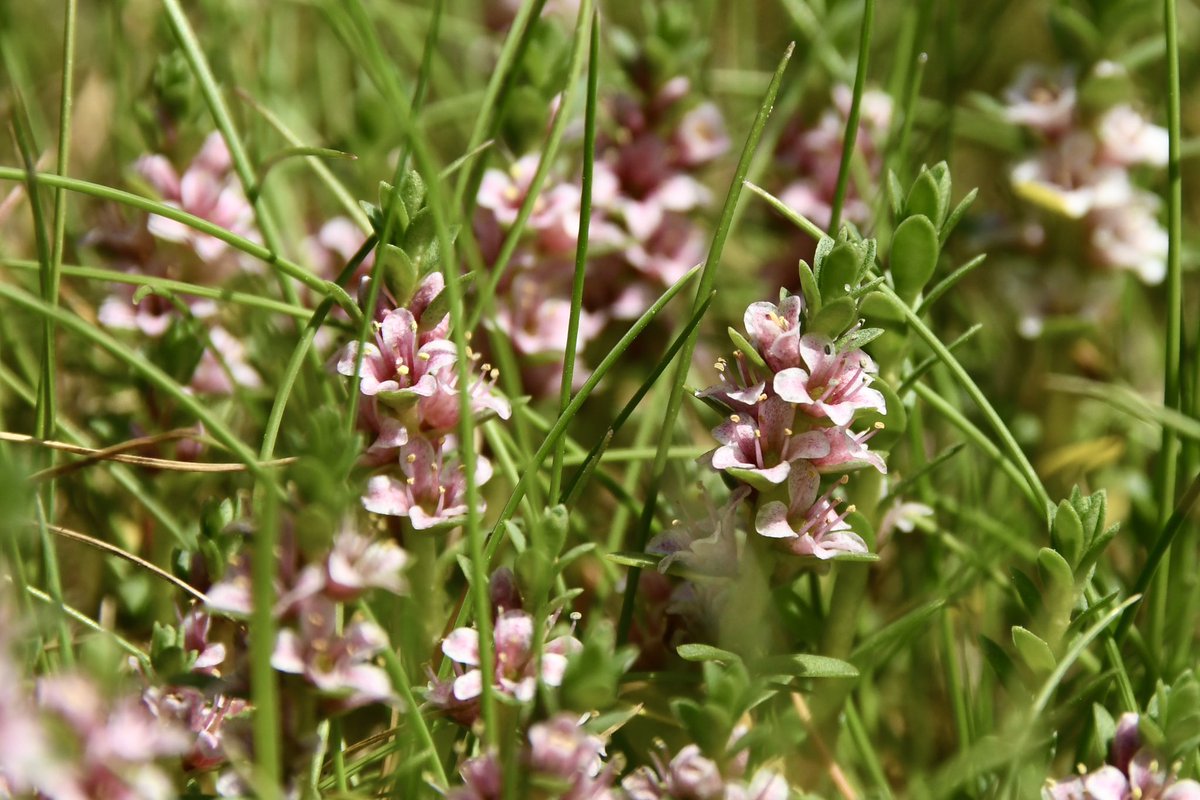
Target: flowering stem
x=708 y=277
x=851 y=136
x=1166 y=474
x=264 y=690
x=52 y=276
x=581 y=245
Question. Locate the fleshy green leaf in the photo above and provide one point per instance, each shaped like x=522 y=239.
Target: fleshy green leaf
x=914 y=256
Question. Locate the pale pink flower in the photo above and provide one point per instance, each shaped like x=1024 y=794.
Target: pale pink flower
x=117 y=741
x=848 y=451
x=209 y=655
x=560 y=753
x=835 y=385
x=202 y=716
x=809 y=525
x=224 y=366
x=516 y=670
x=357 y=563
x=395 y=367
x=537 y=323
x=432 y=489
x=774 y=330
x=1127 y=138
x=207 y=190
x=337 y=665
x=766 y=445
x=701 y=135
x=1041 y=100
x=1134 y=774
x=332 y=247
x=673 y=248
x=1130 y=237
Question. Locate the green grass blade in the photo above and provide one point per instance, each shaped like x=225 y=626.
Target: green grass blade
x=851 y=135
x=581 y=249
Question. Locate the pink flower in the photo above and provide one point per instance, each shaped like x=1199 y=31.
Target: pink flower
x=336 y=665
x=809 y=525
x=537 y=323
x=559 y=754
x=835 y=385
x=201 y=716
x=209 y=656
x=332 y=247
x=674 y=247
x=432 y=490
x=701 y=135
x=848 y=451
x=1135 y=774
x=774 y=330
x=206 y=190
x=1129 y=236
x=516 y=670
x=357 y=563
x=223 y=366
x=692 y=776
x=766 y=446
x=395 y=367
x=1127 y=139
x=1042 y=101
x=116 y=741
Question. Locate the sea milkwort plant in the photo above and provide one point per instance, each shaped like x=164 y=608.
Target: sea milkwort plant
x=581 y=400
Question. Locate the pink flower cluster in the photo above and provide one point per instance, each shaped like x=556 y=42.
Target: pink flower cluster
x=793 y=404
x=1134 y=774
x=559 y=754
x=409 y=384
x=813 y=153
x=642 y=232
x=338 y=665
x=69 y=741
x=1084 y=168
x=202 y=714
x=209 y=190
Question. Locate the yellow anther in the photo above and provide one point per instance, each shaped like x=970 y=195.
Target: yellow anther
x=403 y=369
x=411 y=458
x=734 y=418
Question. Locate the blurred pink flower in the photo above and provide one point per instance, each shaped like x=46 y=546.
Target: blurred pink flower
x=208 y=190
x=223 y=366
x=1042 y=100
x=701 y=135
x=337 y=665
